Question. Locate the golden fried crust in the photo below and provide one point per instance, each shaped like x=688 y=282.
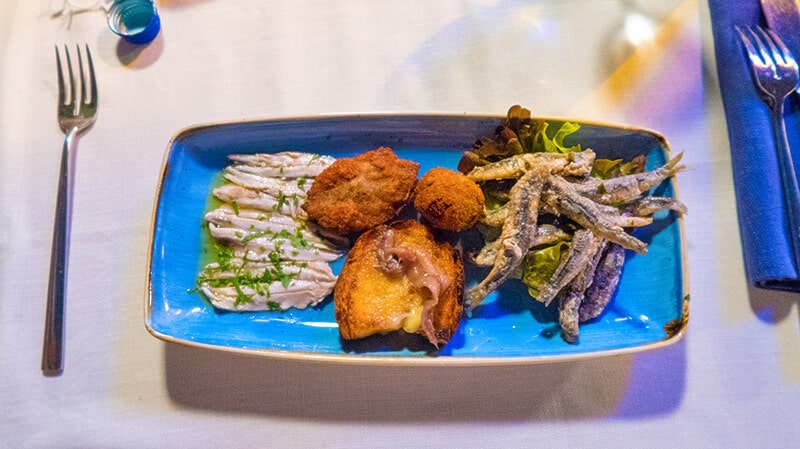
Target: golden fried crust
x=368 y=300
x=358 y=193
x=448 y=199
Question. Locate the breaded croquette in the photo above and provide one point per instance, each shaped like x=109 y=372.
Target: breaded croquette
x=448 y=199
x=359 y=193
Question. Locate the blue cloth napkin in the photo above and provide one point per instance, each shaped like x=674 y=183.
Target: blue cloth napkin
x=762 y=218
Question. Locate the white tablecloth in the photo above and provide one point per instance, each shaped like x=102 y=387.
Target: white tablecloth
x=732 y=382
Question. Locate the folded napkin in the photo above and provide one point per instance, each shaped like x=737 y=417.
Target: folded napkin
x=762 y=217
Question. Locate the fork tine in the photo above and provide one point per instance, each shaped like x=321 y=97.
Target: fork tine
x=61 y=93
x=785 y=53
x=767 y=36
x=71 y=78
x=752 y=53
x=761 y=46
x=80 y=71
x=92 y=81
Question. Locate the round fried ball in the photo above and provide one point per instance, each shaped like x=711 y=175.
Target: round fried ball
x=448 y=200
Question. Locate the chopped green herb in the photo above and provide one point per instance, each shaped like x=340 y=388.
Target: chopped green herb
x=280 y=203
x=257 y=234
x=273 y=306
x=296 y=240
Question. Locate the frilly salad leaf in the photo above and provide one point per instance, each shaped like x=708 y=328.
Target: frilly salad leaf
x=556 y=143
x=540 y=264
x=611 y=168
x=520 y=133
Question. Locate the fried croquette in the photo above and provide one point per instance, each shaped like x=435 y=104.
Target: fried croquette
x=359 y=193
x=448 y=200
x=399 y=277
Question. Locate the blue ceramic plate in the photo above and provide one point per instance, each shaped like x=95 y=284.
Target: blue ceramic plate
x=649 y=309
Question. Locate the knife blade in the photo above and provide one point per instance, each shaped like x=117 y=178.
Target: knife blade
x=783 y=17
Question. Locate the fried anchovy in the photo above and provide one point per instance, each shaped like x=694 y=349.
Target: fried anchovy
x=495 y=217
x=565 y=164
x=571 y=298
x=569 y=303
x=634 y=214
x=647 y=205
x=559 y=195
x=624 y=188
x=546 y=234
x=517 y=237
x=585 y=245
x=605 y=281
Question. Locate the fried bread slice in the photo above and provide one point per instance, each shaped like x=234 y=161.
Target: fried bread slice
x=398 y=277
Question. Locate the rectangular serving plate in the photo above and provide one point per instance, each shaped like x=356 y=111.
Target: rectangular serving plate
x=650 y=308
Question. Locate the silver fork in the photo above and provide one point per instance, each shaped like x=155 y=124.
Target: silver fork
x=76 y=114
x=776 y=74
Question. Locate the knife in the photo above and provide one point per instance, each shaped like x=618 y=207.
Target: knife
x=783 y=17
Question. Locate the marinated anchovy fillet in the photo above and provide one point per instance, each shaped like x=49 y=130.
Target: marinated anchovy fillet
x=251 y=286
x=286 y=164
x=288 y=245
x=269 y=256
x=290 y=188
x=243 y=197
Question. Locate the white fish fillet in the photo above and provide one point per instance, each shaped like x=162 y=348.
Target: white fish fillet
x=277 y=187
x=313 y=279
x=299 y=295
x=290 y=164
x=275 y=258
x=265 y=244
x=252 y=222
x=255 y=199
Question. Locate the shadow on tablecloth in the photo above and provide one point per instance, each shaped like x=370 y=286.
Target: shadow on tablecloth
x=620 y=387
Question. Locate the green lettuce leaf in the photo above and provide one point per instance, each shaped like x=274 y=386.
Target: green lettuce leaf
x=611 y=168
x=540 y=264
x=556 y=143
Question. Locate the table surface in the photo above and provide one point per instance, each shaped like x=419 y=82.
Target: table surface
x=732 y=382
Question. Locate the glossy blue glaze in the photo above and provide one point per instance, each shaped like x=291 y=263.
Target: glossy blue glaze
x=510 y=325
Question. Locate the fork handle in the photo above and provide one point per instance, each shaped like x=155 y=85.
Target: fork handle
x=53 y=348
x=789 y=180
